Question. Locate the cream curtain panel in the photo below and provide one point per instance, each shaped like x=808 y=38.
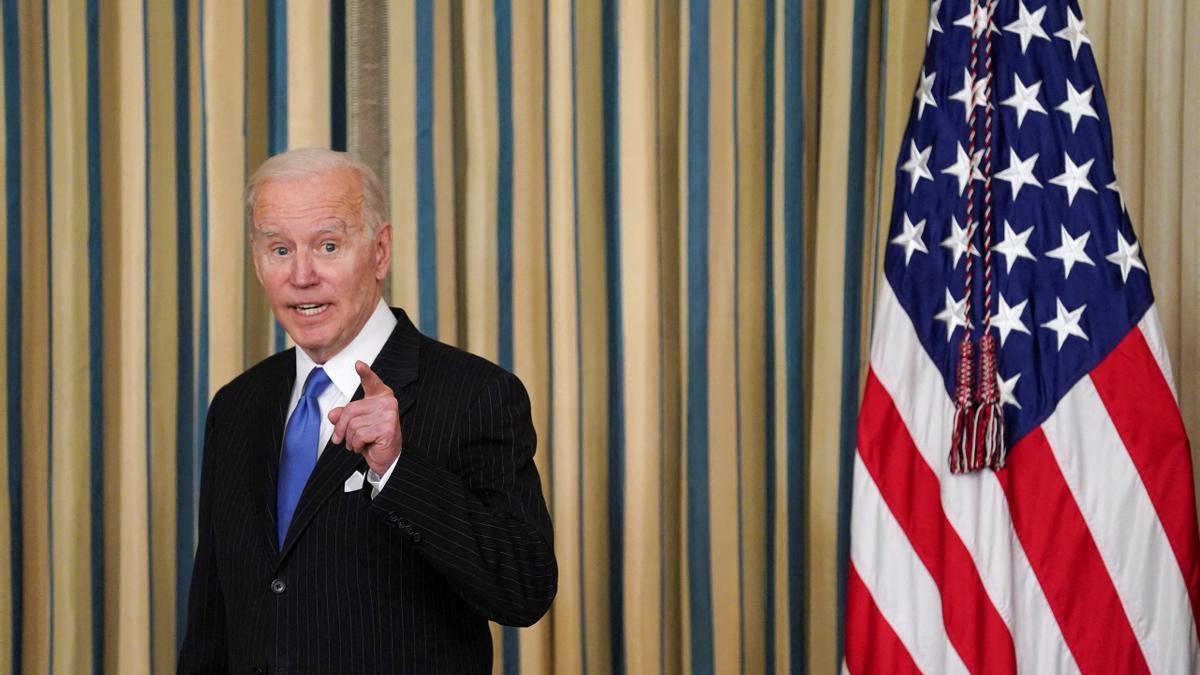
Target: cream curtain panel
x=664 y=216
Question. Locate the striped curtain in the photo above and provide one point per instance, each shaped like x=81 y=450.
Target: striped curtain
x=662 y=215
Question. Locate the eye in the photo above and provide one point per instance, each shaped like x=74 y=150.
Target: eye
x=329 y=247
x=279 y=251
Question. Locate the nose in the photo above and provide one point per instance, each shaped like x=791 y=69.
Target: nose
x=303 y=272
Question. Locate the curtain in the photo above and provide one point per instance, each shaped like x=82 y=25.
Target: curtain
x=665 y=217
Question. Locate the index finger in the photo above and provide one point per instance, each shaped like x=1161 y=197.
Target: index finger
x=371 y=384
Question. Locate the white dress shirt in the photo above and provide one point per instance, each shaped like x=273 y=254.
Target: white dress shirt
x=344 y=380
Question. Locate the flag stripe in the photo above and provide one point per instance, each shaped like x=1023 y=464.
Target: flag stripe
x=898 y=582
x=1142 y=408
x=871 y=644
x=974 y=505
x=911 y=490
x=1103 y=480
x=1066 y=561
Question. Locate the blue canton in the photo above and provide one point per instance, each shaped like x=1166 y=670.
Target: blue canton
x=1069 y=281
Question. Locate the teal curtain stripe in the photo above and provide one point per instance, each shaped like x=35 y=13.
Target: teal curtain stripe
x=337 y=75
x=737 y=345
x=185 y=404
x=611 y=86
x=277 y=102
x=13 y=307
x=202 y=355
x=856 y=193
x=149 y=188
x=769 y=344
x=697 y=473
x=95 y=332
x=502 y=12
x=579 y=381
x=49 y=178
x=793 y=242
x=426 y=169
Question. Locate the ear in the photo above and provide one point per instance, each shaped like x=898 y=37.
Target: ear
x=382 y=250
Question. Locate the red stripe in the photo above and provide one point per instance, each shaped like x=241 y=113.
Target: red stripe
x=912 y=493
x=1067 y=563
x=1143 y=409
x=871 y=644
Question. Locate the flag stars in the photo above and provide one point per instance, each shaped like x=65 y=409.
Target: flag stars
x=910 y=239
x=924 y=95
x=1070 y=251
x=1066 y=323
x=1078 y=105
x=954 y=315
x=1074 y=33
x=1024 y=99
x=963 y=167
x=1126 y=256
x=935 y=26
x=972 y=93
x=1015 y=245
x=1008 y=319
x=1028 y=26
x=1008 y=390
x=1121 y=195
x=959 y=241
x=1019 y=172
x=917 y=165
x=1074 y=178
x=968 y=20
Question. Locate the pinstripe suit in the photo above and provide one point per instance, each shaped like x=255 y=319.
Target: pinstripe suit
x=402 y=583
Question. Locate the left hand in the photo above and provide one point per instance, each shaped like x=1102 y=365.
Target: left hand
x=370 y=425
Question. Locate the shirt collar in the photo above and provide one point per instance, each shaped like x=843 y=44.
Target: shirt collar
x=364 y=347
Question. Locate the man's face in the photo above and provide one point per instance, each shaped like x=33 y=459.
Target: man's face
x=316 y=259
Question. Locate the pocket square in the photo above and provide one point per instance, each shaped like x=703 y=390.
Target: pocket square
x=354 y=482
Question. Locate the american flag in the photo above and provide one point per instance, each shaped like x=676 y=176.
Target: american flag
x=1080 y=554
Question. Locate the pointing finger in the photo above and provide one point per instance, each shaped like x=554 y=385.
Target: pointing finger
x=371 y=384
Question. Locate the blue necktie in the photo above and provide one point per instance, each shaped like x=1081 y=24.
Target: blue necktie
x=299 y=449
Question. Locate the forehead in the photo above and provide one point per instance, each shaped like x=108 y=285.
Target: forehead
x=336 y=195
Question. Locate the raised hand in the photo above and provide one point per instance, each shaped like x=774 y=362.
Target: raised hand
x=370 y=425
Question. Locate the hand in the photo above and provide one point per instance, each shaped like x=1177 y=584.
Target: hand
x=370 y=425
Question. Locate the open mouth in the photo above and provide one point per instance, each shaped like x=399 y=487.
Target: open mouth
x=310 y=310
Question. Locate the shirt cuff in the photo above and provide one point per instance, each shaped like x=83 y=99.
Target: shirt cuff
x=377 y=482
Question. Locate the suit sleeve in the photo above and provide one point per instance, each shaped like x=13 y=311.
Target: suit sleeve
x=483 y=525
x=204 y=648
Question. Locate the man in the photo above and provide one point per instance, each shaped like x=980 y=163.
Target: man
x=355 y=517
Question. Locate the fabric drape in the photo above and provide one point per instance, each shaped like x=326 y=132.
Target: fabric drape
x=665 y=217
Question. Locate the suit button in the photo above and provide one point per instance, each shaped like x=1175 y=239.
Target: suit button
x=258 y=670
x=277 y=586
x=416 y=537
x=393 y=517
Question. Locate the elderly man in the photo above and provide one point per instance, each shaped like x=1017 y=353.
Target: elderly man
x=368 y=499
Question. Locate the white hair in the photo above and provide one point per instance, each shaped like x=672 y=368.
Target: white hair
x=309 y=162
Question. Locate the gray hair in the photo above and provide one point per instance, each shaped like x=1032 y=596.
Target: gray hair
x=309 y=162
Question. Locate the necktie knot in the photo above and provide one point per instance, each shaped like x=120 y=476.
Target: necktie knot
x=315 y=385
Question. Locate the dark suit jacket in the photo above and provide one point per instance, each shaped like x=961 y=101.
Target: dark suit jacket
x=404 y=583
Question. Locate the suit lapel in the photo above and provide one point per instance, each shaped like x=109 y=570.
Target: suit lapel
x=265 y=435
x=397 y=366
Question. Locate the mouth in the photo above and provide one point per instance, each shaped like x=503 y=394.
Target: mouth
x=311 y=309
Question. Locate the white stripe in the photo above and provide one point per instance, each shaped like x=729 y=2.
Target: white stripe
x=974 y=504
x=897 y=580
x=1123 y=522
x=1151 y=328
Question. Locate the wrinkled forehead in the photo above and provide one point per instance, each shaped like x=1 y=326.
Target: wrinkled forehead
x=334 y=197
